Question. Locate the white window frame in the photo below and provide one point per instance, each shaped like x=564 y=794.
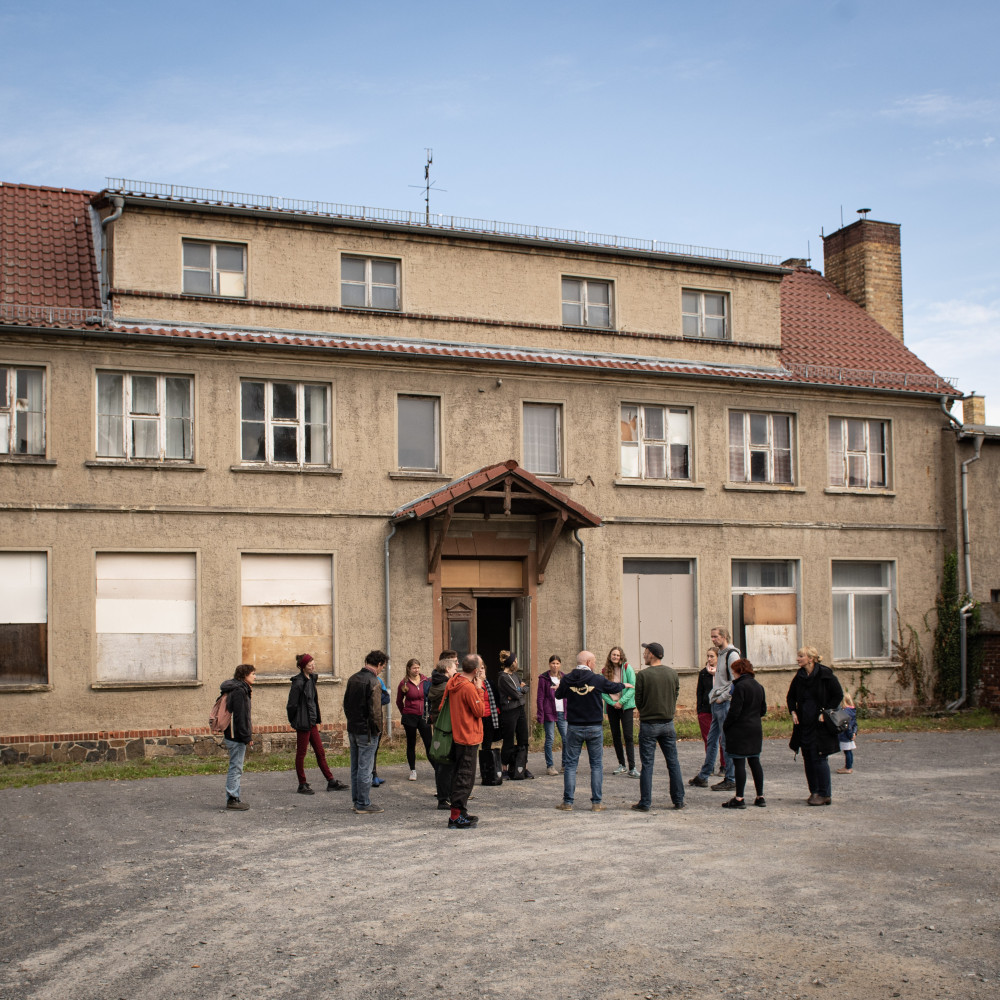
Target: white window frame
x=842 y=458
x=24 y=600
x=701 y=315
x=436 y=401
x=298 y=422
x=742 y=450
x=583 y=303
x=12 y=406
x=643 y=442
x=739 y=590
x=538 y=405
x=216 y=274
x=368 y=283
x=886 y=591
x=129 y=417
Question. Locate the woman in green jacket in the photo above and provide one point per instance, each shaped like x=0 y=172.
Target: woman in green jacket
x=621 y=708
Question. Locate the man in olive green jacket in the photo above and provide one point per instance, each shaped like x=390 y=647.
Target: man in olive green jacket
x=656 y=690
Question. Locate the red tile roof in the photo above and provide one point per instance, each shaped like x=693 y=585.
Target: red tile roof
x=468 y=486
x=823 y=331
x=46 y=248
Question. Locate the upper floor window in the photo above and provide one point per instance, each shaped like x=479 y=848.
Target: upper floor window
x=586 y=302
x=285 y=423
x=705 y=314
x=418 y=433
x=215 y=269
x=542 y=438
x=145 y=417
x=655 y=442
x=369 y=283
x=760 y=447
x=858 y=453
x=862 y=610
x=22 y=409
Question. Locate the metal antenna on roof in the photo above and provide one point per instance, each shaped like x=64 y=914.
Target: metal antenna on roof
x=428 y=185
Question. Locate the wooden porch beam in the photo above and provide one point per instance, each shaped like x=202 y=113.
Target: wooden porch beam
x=435 y=560
x=550 y=544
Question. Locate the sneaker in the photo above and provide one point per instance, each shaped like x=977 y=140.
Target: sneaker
x=305 y=790
x=551 y=770
x=413 y=775
x=679 y=805
x=232 y=803
x=333 y=785
x=377 y=781
x=818 y=800
x=472 y=819
x=759 y=801
x=845 y=770
x=620 y=769
x=734 y=803
x=723 y=786
x=565 y=806
x=639 y=807
x=698 y=781
x=463 y=823
x=444 y=804
x=633 y=773
x=370 y=808
x=598 y=807
x=527 y=773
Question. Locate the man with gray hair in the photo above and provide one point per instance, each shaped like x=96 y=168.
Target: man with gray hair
x=719 y=698
x=582 y=689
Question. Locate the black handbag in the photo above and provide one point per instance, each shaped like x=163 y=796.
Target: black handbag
x=836 y=720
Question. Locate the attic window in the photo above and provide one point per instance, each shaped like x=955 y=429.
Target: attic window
x=215 y=269
x=705 y=314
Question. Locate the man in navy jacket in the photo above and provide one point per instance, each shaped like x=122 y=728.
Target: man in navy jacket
x=582 y=689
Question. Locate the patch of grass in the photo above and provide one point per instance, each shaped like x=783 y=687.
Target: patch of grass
x=394 y=751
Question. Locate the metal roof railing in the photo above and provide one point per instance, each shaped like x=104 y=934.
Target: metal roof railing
x=422 y=220
x=71 y=315
x=868 y=376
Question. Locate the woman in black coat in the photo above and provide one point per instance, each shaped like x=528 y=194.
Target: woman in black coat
x=744 y=734
x=813 y=689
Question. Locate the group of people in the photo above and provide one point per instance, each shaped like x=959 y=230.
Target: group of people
x=730 y=702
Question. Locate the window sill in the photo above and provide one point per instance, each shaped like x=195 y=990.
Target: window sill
x=763 y=488
x=706 y=340
x=274 y=680
x=296 y=470
x=436 y=477
x=142 y=685
x=660 y=484
x=859 y=491
x=161 y=466
x=574 y=328
x=24 y=688
x=555 y=480
x=26 y=460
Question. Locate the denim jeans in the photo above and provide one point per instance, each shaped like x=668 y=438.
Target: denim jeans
x=576 y=736
x=237 y=754
x=550 y=738
x=849 y=758
x=363 y=750
x=663 y=734
x=717 y=737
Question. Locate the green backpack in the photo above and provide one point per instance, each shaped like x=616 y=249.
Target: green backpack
x=442 y=741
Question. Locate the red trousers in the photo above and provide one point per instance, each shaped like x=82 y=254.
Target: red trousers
x=303 y=738
x=705 y=722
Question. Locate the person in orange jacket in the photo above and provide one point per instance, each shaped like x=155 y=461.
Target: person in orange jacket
x=466 y=695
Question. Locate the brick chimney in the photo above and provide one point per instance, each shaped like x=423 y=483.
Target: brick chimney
x=863 y=261
x=974 y=410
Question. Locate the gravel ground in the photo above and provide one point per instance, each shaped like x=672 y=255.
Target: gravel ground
x=151 y=889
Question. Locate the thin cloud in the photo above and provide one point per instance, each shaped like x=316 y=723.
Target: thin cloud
x=936 y=108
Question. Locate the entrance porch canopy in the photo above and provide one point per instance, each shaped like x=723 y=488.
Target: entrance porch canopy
x=499 y=490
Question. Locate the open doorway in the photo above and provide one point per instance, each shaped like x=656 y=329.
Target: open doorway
x=493 y=632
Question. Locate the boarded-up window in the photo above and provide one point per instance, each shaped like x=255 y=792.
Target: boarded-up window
x=146 y=617
x=287 y=609
x=765 y=610
x=658 y=606
x=24 y=629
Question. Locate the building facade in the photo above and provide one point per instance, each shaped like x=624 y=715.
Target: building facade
x=238 y=428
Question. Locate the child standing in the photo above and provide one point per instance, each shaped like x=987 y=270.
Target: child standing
x=847 y=743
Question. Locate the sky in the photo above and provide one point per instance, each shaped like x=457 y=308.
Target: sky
x=745 y=126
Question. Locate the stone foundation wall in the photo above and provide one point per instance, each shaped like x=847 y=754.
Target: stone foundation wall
x=137 y=744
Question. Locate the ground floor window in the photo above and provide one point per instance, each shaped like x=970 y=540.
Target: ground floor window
x=146 y=613
x=24 y=629
x=862 y=610
x=765 y=610
x=287 y=609
x=658 y=606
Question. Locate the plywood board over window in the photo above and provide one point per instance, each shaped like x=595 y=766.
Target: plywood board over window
x=146 y=615
x=287 y=609
x=23 y=618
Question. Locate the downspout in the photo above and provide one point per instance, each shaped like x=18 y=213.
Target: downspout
x=583 y=588
x=388 y=636
x=119 y=203
x=963 y=633
x=977 y=443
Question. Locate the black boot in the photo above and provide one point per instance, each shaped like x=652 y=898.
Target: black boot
x=305 y=790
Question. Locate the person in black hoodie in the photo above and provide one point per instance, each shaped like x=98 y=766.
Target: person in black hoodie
x=582 y=689
x=304 y=717
x=238 y=735
x=513 y=720
x=813 y=689
x=744 y=733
